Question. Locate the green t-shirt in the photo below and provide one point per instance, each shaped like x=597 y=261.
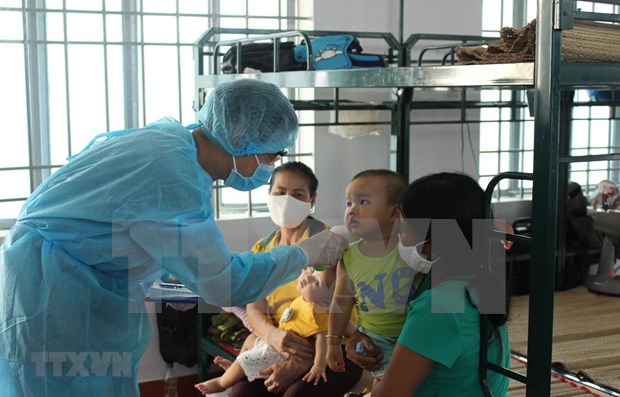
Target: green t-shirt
x=382 y=286
x=442 y=325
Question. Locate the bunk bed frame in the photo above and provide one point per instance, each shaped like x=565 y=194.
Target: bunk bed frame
x=547 y=77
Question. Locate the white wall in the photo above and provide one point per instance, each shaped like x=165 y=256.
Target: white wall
x=337 y=159
x=433 y=148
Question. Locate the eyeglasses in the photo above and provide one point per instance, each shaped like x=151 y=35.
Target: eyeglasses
x=271 y=158
x=277 y=156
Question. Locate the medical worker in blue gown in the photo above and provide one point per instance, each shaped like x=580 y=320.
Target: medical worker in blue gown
x=134 y=204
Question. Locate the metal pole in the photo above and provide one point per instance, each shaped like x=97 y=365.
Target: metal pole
x=403 y=113
x=38 y=103
x=401 y=22
x=544 y=199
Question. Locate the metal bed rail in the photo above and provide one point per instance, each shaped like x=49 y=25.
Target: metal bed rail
x=568 y=11
x=275 y=38
x=484 y=363
x=449 y=42
x=208 y=40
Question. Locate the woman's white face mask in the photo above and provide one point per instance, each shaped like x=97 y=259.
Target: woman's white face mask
x=286 y=211
x=413 y=258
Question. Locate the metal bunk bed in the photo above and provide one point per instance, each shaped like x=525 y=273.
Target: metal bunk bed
x=547 y=77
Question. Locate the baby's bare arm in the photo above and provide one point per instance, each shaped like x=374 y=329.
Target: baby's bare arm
x=318 y=370
x=320 y=349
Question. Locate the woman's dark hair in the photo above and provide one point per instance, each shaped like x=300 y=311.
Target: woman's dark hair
x=302 y=170
x=450 y=196
x=445 y=196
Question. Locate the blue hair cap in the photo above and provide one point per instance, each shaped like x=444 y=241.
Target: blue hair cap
x=249 y=116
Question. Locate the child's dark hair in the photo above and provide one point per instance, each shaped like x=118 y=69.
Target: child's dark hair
x=301 y=169
x=395 y=183
x=449 y=196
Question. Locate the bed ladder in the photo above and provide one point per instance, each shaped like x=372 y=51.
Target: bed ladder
x=484 y=363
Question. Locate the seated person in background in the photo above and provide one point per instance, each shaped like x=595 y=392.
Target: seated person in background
x=371 y=276
x=604 y=196
x=306 y=315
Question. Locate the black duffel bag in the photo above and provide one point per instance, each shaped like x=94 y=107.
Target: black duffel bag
x=259 y=56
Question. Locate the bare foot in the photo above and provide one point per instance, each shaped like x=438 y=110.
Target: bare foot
x=210 y=386
x=222 y=362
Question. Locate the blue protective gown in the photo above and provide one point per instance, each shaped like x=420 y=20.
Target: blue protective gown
x=91 y=239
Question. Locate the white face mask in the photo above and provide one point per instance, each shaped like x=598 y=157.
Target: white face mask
x=286 y=211
x=413 y=258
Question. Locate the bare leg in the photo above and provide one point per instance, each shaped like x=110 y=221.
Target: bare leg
x=219 y=384
x=222 y=362
x=232 y=375
x=248 y=343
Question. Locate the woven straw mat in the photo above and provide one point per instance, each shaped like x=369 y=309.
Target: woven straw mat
x=588 y=41
x=591 y=42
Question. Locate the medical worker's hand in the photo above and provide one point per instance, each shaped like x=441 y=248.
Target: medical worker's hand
x=324 y=248
x=370 y=361
x=342 y=230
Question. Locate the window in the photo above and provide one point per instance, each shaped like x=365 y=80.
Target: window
x=507 y=135
x=79 y=68
x=595 y=130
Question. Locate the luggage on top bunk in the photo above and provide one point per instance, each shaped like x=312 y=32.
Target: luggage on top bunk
x=328 y=52
x=259 y=57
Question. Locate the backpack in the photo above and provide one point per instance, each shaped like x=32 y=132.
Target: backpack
x=341 y=51
x=178 y=335
x=580 y=226
x=580 y=238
